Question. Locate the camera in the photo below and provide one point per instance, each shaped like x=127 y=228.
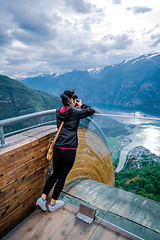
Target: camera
x=76 y=102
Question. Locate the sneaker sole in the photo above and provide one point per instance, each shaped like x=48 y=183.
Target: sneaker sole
x=56 y=209
x=39 y=207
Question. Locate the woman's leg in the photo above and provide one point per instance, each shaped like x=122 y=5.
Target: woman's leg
x=67 y=159
x=53 y=178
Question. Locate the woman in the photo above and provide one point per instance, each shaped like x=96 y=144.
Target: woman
x=65 y=148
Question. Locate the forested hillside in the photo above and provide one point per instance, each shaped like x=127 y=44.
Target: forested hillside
x=18 y=99
x=145 y=181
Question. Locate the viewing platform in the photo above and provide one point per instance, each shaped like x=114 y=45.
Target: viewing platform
x=91 y=182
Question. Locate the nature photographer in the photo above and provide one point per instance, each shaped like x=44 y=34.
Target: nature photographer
x=64 y=152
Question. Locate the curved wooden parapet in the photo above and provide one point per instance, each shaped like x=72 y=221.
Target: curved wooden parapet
x=24 y=169
x=93 y=159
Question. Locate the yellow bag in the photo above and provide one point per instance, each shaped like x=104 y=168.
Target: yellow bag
x=51 y=145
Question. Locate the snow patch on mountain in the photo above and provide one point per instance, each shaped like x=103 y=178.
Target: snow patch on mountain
x=94 y=70
x=143 y=57
x=127 y=60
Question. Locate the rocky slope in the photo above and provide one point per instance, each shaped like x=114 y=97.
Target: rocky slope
x=140 y=157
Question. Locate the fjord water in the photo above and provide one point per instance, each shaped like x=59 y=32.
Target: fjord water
x=146 y=132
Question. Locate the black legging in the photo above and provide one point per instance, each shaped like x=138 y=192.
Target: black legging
x=63 y=160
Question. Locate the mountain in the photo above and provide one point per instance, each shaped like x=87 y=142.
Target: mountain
x=140 y=157
x=18 y=99
x=133 y=83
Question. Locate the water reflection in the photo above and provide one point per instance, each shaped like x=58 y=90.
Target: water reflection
x=150 y=138
x=145 y=133
x=147 y=136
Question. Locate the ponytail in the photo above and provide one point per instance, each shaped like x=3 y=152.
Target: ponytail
x=65 y=100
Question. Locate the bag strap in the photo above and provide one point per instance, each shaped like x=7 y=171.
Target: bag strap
x=54 y=140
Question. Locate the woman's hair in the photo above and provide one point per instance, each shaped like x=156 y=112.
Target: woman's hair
x=65 y=100
x=67 y=95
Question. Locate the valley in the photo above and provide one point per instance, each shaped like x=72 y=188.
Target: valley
x=140 y=132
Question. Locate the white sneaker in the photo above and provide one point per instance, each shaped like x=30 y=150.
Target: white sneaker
x=58 y=204
x=41 y=204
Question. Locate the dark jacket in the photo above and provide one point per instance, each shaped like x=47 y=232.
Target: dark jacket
x=68 y=135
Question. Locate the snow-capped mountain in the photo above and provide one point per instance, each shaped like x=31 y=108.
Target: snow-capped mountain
x=133 y=83
x=143 y=57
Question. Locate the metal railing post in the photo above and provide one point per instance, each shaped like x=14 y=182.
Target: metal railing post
x=2 y=137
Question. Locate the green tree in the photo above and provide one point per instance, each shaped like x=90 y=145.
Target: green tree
x=150 y=188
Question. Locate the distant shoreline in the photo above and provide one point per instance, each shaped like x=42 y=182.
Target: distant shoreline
x=111 y=108
x=150 y=135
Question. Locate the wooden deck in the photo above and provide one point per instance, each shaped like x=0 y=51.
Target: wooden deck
x=60 y=225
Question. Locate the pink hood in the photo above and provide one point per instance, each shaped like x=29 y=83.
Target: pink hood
x=64 y=109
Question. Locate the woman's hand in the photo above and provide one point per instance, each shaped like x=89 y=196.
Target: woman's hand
x=79 y=103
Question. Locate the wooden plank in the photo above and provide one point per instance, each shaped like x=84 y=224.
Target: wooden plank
x=21 y=156
x=93 y=193
x=21 y=200
x=28 y=136
x=12 y=148
x=141 y=215
x=69 y=228
x=23 y=175
x=102 y=233
x=15 y=148
x=23 y=168
x=20 y=192
x=17 y=215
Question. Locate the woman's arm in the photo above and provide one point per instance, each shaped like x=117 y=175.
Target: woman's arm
x=85 y=111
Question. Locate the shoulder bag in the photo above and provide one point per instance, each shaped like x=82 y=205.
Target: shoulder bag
x=51 y=145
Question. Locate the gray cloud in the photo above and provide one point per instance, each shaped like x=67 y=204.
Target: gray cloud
x=139 y=10
x=33 y=38
x=45 y=36
x=121 y=42
x=31 y=23
x=81 y=6
x=17 y=60
x=116 y=42
x=5 y=37
x=156 y=39
x=117 y=1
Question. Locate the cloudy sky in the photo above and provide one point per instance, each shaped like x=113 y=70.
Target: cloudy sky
x=56 y=36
